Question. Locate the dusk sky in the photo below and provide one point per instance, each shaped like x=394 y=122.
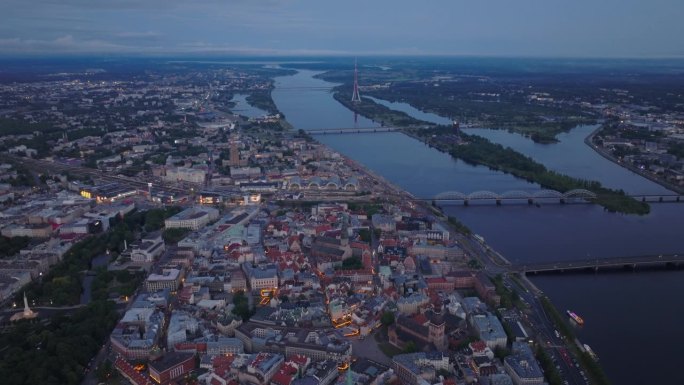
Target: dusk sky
x=572 y=28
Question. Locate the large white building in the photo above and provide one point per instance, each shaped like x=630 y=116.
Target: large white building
x=192 y=218
x=186 y=174
x=169 y=279
x=419 y=368
x=224 y=345
x=181 y=326
x=245 y=172
x=490 y=330
x=261 y=277
x=148 y=249
x=411 y=304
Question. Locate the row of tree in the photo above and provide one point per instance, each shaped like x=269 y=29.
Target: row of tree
x=11 y=246
x=56 y=352
x=63 y=284
x=480 y=151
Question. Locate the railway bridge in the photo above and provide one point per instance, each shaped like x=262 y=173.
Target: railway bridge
x=575 y=196
x=545 y=196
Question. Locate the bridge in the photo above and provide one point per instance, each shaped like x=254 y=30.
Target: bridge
x=572 y=196
x=352 y=130
x=596 y=264
x=577 y=195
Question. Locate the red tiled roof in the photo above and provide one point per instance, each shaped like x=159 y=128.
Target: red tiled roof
x=420 y=319
x=478 y=346
x=131 y=373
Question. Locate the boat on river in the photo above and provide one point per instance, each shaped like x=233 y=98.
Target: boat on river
x=575 y=317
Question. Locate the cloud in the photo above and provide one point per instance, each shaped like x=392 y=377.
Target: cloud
x=154 y=5
x=62 y=44
x=201 y=47
x=137 y=35
x=493 y=27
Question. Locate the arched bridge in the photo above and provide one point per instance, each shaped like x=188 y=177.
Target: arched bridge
x=577 y=195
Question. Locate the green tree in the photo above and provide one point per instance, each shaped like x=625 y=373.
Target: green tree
x=365 y=235
x=11 y=246
x=104 y=371
x=241 y=303
x=500 y=352
x=410 y=347
x=387 y=318
x=174 y=235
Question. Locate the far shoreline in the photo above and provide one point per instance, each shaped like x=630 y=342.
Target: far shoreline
x=589 y=141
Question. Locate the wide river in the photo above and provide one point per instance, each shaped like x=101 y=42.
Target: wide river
x=632 y=319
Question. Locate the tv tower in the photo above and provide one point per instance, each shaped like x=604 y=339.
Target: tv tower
x=356 y=98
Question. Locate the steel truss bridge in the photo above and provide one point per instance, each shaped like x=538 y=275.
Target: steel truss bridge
x=547 y=196
x=577 y=195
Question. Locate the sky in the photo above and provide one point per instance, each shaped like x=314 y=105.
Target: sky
x=535 y=28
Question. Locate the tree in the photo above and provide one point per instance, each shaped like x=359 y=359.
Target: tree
x=410 y=347
x=174 y=235
x=11 y=246
x=241 y=303
x=474 y=264
x=500 y=352
x=104 y=371
x=387 y=318
x=351 y=263
x=365 y=235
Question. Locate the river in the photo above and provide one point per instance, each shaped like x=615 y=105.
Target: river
x=242 y=107
x=522 y=233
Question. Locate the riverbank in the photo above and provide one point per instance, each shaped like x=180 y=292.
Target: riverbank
x=589 y=140
x=480 y=151
x=378 y=113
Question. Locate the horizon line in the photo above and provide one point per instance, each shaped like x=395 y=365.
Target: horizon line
x=281 y=55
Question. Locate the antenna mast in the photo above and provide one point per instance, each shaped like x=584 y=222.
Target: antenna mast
x=356 y=98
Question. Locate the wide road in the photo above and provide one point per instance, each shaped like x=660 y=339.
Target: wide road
x=545 y=331
x=537 y=320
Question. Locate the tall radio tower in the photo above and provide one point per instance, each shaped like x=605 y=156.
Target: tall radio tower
x=356 y=98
